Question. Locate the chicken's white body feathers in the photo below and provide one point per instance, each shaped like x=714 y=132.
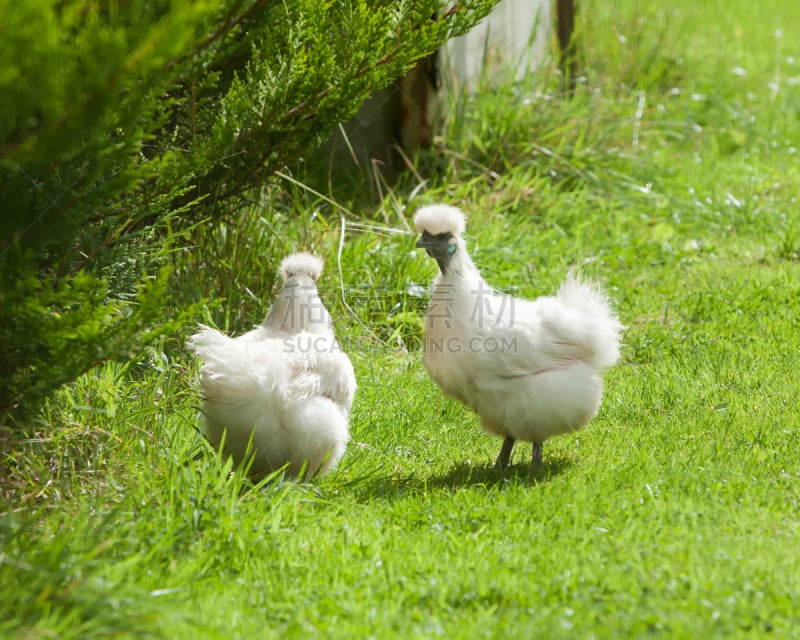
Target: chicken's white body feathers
x=529 y=368
x=286 y=385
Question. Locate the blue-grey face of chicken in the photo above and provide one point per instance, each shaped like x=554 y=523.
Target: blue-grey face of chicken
x=441 y=247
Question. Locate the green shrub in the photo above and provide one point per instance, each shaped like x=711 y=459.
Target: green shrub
x=121 y=123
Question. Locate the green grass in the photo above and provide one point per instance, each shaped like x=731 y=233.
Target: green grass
x=674 y=514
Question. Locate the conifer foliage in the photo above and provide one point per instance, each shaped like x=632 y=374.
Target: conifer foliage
x=121 y=121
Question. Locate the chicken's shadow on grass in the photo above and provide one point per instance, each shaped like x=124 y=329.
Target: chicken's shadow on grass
x=462 y=475
x=466 y=474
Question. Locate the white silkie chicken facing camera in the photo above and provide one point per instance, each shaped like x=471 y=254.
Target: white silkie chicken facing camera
x=286 y=385
x=529 y=368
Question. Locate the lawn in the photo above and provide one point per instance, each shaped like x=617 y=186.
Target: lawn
x=671 y=176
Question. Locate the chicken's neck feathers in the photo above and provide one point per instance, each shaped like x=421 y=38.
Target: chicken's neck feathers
x=298 y=308
x=462 y=293
x=461 y=275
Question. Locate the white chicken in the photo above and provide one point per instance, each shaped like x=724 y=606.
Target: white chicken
x=528 y=368
x=282 y=392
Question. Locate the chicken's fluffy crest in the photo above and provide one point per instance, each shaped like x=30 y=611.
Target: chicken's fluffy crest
x=440 y=218
x=301 y=264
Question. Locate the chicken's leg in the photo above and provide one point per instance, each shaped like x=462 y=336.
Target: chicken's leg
x=505 y=453
x=536 y=458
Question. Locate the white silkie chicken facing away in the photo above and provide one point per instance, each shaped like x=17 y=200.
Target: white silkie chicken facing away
x=286 y=384
x=529 y=368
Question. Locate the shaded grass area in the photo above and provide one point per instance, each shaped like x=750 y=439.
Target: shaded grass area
x=671 y=176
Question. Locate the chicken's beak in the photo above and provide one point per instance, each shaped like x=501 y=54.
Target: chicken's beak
x=436 y=246
x=427 y=242
x=431 y=245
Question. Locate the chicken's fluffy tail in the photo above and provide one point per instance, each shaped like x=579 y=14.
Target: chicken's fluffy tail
x=209 y=343
x=601 y=322
x=234 y=372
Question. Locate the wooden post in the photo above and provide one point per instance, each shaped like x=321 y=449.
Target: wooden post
x=398 y=120
x=565 y=17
